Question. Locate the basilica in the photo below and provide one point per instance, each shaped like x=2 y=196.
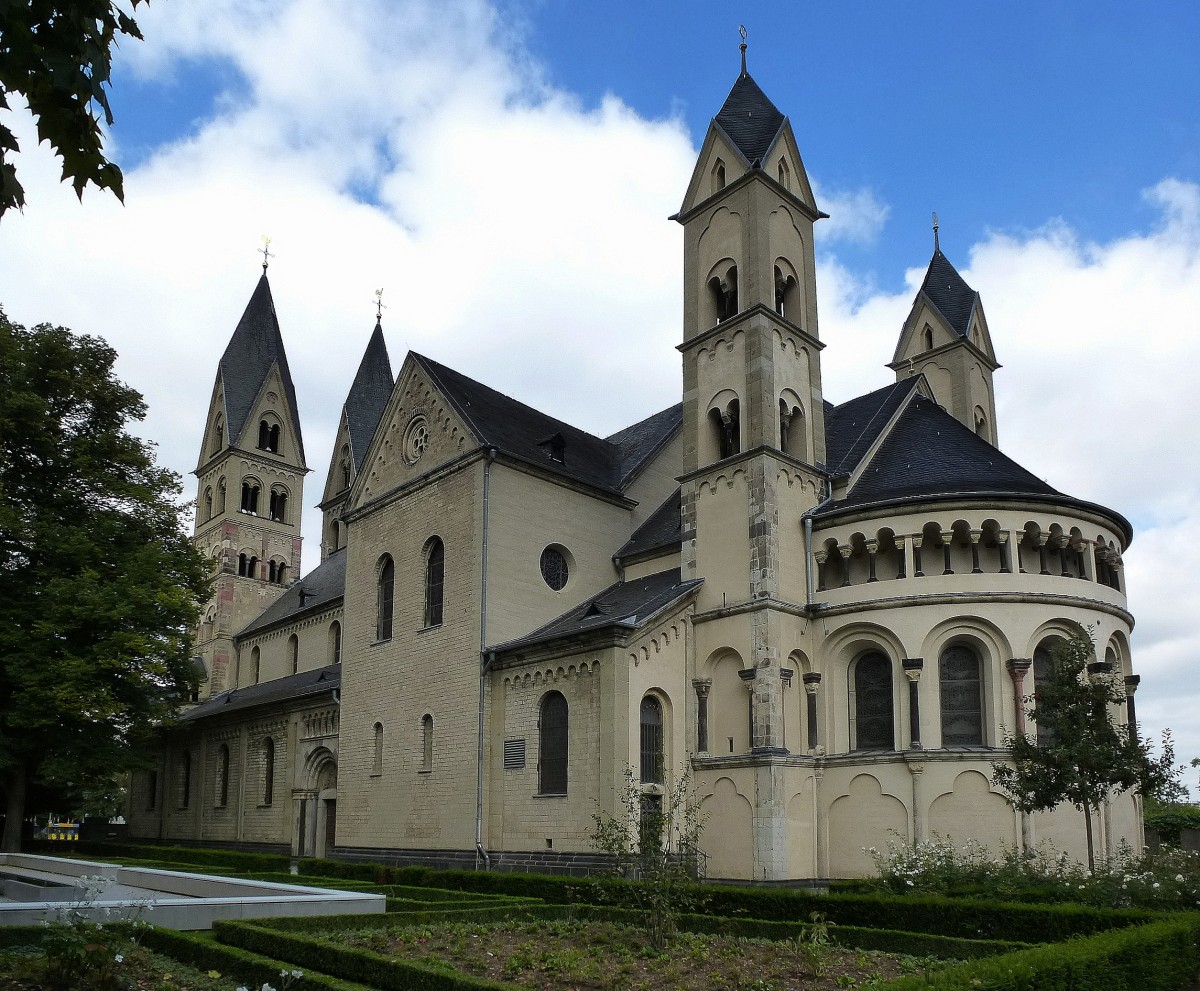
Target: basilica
x=827 y=617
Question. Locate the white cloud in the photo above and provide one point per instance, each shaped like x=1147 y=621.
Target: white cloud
x=522 y=238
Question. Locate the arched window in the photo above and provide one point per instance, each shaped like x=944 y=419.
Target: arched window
x=724 y=291
x=250 y=497
x=271 y=572
x=346 y=467
x=268 y=770
x=786 y=293
x=208 y=503
x=718 y=176
x=294 y=652
x=785 y=176
x=247 y=565
x=960 y=675
x=793 y=437
x=383 y=603
x=377 y=758
x=223 y=776
x=219 y=435
x=185 y=779
x=927 y=337
x=435 y=582
x=221 y=494
x=256 y=664
x=552 y=745
x=726 y=427
x=278 y=504
x=335 y=642
x=427 y=742
x=651 y=767
x=874 y=718
x=268 y=437
x=1043 y=670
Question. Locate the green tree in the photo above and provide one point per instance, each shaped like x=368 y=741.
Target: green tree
x=98 y=581
x=1086 y=755
x=653 y=840
x=57 y=54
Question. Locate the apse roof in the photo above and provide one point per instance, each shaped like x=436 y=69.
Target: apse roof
x=255 y=346
x=852 y=427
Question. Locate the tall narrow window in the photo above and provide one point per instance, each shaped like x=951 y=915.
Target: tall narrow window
x=185 y=780
x=268 y=771
x=435 y=580
x=221 y=494
x=278 y=505
x=223 y=776
x=268 y=437
x=1043 y=669
x=294 y=652
x=335 y=643
x=962 y=697
x=208 y=504
x=651 y=771
x=552 y=745
x=271 y=572
x=427 y=742
x=383 y=606
x=874 y=719
x=220 y=435
x=377 y=742
x=256 y=664
x=250 y=497
x=345 y=460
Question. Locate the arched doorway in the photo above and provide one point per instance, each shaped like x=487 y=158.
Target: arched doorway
x=316 y=806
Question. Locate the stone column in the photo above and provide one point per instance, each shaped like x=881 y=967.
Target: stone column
x=902 y=549
x=702 y=686
x=916 y=767
x=812 y=681
x=916 y=546
x=947 y=540
x=844 y=551
x=747 y=676
x=975 y=536
x=785 y=683
x=912 y=671
x=1064 y=544
x=1005 y=552
x=872 y=550
x=1040 y=543
x=1017 y=668
x=1131 y=683
x=820 y=557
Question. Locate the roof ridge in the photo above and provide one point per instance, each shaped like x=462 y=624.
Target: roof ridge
x=908 y=383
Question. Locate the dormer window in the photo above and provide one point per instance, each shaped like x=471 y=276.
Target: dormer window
x=268 y=437
x=555 y=448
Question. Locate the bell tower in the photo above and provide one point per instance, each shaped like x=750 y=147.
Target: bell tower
x=753 y=421
x=250 y=490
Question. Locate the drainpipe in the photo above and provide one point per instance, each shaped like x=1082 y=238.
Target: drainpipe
x=808 y=526
x=485 y=661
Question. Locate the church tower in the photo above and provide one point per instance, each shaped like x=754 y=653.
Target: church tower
x=361 y=413
x=251 y=485
x=946 y=339
x=754 y=426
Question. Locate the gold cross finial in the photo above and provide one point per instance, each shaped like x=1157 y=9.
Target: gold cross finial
x=265 y=251
x=380 y=306
x=742 y=31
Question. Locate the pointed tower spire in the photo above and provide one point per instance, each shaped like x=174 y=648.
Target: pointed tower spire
x=363 y=409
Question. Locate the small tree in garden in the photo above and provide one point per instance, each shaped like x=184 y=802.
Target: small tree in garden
x=654 y=838
x=1086 y=754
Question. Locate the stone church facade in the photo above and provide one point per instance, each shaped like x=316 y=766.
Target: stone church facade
x=831 y=615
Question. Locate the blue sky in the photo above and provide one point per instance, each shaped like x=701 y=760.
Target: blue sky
x=505 y=172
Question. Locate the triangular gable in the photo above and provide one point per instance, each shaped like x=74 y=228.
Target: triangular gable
x=341 y=462
x=717 y=146
x=420 y=428
x=890 y=416
x=272 y=405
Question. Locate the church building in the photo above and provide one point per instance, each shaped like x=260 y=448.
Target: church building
x=830 y=616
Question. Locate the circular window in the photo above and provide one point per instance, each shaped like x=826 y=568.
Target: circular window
x=416 y=439
x=554 y=568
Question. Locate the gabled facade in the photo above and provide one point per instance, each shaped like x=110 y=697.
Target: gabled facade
x=831 y=615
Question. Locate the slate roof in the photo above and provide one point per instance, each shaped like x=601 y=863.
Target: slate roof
x=662 y=529
x=627 y=604
x=750 y=119
x=640 y=442
x=294 y=686
x=256 y=345
x=324 y=586
x=521 y=431
x=852 y=427
x=949 y=292
x=930 y=453
x=368 y=396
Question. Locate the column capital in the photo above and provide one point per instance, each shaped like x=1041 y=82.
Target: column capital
x=872 y=546
x=1002 y=537
x=913 y=666
x=821 y=556
x=785 y=675
x=812 y=680
x=1131 y=683
x=976 y=536
x=702 y=685
x=1017 y=666
x=1099 y=667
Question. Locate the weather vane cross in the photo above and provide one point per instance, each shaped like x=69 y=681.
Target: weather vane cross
x=380 y=306
x=742 y=31
x=936 y=245
x=265 y=251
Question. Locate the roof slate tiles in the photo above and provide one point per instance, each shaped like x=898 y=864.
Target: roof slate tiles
x=322 y=587
x=662 y=529
x=368 y=396
x=294 y=686
x=255 y=346
x=949 y=292
x=750 y=119
x=852 y=427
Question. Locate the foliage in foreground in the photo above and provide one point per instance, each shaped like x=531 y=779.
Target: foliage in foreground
x=1165 y=879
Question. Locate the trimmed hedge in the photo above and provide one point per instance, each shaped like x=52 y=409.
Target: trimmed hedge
x=934 y=914
x=245 y=966
x=373 y=969
x=193 y=856
x=11 y=936
x=1161 y=956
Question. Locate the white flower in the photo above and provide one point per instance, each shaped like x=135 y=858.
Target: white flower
x=267 y=987
x=1178 y=877
x=297 y=974
x=1156 y=884
x=119 y=958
